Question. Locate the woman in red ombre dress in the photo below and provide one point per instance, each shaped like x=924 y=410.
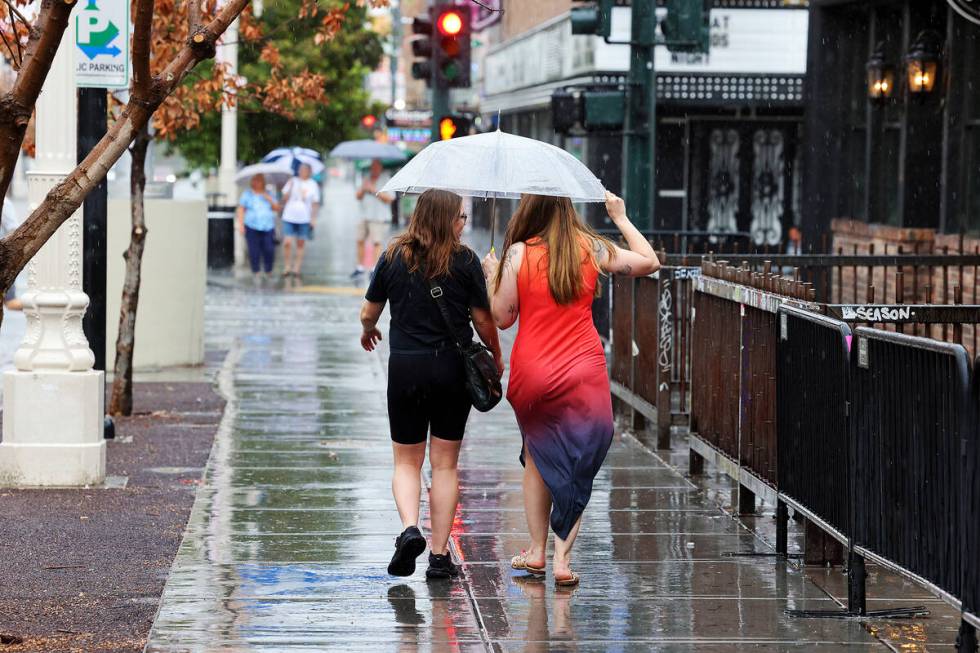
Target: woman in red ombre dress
x=559 y=386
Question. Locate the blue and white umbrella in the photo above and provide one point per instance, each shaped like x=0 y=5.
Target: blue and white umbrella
x=294 y=157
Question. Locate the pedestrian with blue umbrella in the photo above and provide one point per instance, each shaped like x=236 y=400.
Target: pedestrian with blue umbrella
x=301 y=203
x=294 y=157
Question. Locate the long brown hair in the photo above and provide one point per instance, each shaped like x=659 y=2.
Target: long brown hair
x=430 y=241
x=554 y=220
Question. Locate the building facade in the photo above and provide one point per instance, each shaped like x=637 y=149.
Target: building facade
x=903 y=158
x=729 y=122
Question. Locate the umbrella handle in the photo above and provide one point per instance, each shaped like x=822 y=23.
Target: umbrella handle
x=493 y=220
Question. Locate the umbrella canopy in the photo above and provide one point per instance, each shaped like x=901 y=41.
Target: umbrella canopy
x=496 y=164
x=275 y=173
x=294 y=157
x=367 y=149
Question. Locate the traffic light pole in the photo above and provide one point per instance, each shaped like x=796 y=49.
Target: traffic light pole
x=641 y=117
x=440 y=96
x=440 y=108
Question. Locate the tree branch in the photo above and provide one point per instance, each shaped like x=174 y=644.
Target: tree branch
x=17 y=106
x=142 y=25
x=12 y=8
x=18 y=247
x=13 y=57
x=193 y=15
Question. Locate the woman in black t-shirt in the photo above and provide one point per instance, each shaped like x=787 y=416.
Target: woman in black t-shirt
x=426 y=377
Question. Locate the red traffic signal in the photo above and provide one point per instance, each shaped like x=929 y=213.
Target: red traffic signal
x=450 y=23
x=368 y=121
x=451 y=57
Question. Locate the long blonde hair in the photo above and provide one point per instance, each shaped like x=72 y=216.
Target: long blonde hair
x=430 y=241
x=554 y=220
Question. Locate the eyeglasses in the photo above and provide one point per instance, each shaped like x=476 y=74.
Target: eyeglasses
x=464 y=217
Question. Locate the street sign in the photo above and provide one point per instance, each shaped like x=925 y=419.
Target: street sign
x=102 y=42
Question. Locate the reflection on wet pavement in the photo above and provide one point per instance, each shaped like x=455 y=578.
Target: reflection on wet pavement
x=288 y=542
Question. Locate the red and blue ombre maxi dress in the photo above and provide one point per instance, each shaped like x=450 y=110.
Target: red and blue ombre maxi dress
x=559 y=386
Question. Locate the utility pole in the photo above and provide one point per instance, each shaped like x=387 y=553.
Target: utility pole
x=641 y=116
x=396 y=44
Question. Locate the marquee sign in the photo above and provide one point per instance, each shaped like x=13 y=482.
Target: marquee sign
x=969 y=9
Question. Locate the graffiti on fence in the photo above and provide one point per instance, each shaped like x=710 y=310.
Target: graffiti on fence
x=876 y=314
x=687 y=273
x=666 y=328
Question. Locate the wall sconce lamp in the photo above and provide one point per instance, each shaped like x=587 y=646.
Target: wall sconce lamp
x=881 y=76
x=922 y=63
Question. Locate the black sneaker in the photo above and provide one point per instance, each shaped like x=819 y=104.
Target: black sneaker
x=441 y=566
x=408 y=546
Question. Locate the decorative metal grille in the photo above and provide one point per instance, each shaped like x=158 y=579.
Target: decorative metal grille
x=723 y=186
x=768 y=187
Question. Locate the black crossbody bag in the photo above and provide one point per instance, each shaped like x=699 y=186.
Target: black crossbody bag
x=482 y=379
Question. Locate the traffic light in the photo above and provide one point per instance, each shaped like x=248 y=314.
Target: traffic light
x=603 y=110
x=566 y=111
x=687 y=27
x=369 y=121
x=453 y=127
x=451 y=46
x=422 y=48
x=593 y=18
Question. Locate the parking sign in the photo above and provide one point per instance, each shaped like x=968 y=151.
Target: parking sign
x=102 y=42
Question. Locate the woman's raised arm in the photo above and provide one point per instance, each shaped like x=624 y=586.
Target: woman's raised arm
x=639 y=260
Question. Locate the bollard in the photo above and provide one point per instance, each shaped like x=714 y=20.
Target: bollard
x=782 y=529
x=857 y=576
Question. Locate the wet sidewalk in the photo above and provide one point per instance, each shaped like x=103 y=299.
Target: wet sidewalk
x=287 y=546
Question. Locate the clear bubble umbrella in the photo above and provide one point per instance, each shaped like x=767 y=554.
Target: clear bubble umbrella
x=367 y=149
x=497 y=164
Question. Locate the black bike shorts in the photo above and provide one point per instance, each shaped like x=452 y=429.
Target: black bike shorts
x=427 y=391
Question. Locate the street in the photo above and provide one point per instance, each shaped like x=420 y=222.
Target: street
x=769 y=209
x=293 y=526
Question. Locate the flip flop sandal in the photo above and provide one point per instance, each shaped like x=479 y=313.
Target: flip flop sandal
x=520 y=562
x=567 y=582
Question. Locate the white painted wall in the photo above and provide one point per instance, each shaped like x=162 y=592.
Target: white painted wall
x=170 y=319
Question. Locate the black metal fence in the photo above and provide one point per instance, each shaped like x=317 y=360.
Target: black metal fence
x=911 y=418
x=813 y=441
x=874 y=439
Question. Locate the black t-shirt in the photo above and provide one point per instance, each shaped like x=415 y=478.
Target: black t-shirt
x=416 y=325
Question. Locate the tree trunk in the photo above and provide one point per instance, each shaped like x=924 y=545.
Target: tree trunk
x=121 y=401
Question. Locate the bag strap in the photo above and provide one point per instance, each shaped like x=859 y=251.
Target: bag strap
x=436 y=292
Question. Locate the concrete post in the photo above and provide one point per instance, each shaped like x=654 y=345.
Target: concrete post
x=53 y=402
x=228 y=55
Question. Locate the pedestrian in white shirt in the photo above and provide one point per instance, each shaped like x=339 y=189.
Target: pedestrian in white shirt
x=301 y=202
x=375 y=218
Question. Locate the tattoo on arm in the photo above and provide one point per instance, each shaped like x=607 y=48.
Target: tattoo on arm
x=509 y=258
x=626 y=270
